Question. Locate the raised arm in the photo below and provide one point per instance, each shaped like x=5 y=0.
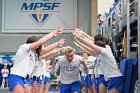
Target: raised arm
x=52 y=46
x=84 y=67
x=55 y=66
x=90 y=43
x=52 y=53
x=79 y=32
x=84 y=47
x=81 y=48
x=44 y=39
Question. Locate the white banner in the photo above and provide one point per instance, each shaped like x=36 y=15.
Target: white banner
x=38 y=16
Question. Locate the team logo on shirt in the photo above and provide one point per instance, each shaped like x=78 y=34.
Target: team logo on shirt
x=69 y=68
x=97 y=62
x=31 y=57
x=40 y=10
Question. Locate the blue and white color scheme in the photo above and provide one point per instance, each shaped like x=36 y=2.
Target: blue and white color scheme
x=38 y=16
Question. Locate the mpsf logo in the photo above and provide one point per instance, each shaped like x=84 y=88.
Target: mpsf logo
x=40 y=11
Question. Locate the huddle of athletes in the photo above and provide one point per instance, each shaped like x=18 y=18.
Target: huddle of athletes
x=31 y=70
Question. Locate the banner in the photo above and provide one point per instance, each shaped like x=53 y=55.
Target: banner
x=38 y=16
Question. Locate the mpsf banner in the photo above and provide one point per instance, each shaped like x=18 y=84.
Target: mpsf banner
x=38 y=16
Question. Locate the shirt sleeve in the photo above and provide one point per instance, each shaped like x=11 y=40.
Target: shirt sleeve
x=25 y=47
x=23 y=50
x=105 y=51
x=109 y=48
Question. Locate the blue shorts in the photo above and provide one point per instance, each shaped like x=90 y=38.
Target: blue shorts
x=70 y=88
x=98 y=81
x=34 y=78
x=39 y=81
x=13 y=80
x=46 y=80
x=93 y=81
x=88 y=81
x=115 y=82
x=28 y=81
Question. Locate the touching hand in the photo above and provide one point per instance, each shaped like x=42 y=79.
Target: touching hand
x=61 y=42
x=78 y=32
x=57 y=31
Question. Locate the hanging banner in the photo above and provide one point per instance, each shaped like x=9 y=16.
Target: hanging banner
x=38 y=16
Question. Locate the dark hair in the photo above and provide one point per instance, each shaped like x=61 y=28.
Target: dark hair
x=105 y=40
x=100 y=43
x=33 y=39
x=98 y=37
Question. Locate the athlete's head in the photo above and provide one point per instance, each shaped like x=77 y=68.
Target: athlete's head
x=100 y=43
x=105 y=39
x=69 y=53
x=98 y=37
x=85 y=55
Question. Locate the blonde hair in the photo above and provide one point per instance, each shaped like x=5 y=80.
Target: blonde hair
x=69 y=49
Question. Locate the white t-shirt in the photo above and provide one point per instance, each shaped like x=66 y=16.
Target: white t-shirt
x=69 y=71
x=89 y=61
x=5 y=72
x=107 y=64
x=24 y=61
x=108 y=48
x=44 y=69
x=38 y=69
x=94 y=65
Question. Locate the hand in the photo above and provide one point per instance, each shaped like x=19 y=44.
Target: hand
x=77 y=32
x=57 y=31
x=82 y=61
x=61 y=42
x=62 y=49
x=55 y=62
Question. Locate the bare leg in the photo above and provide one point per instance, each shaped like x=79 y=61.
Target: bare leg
x=27 y=88
x=94 y=90
x=18 y=89
x=35 y=87
x=90 y=89
x=47 y=86
x=40 y=88
x=75 y=92
x=6 y=82
x=86 y=90
x=31 y=89
x=113 y=91
x=102 y=88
